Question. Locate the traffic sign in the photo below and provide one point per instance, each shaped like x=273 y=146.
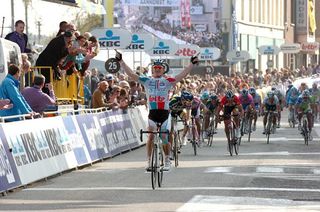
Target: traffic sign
x=270 y=63
x=112 y=65
x=238 y=56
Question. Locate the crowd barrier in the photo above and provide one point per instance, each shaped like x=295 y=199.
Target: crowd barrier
x=35 y=149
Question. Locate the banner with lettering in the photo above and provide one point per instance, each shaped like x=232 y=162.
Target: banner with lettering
x=9 y=177
x=78 y=144
x=93 y=136
x=40 y=148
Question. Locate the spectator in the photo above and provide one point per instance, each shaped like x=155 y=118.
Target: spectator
x=56 y=50
x=19 y=37
x=38 y=100
x=99 y=96
x=26 y=70
x=113 y=101
x=9 y=89
x=110 y=80
x=94 y=80
x=62 y=28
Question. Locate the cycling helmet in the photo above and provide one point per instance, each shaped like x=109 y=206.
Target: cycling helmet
x=277 y=93
x=305 y=94
x=273 y=89
x=229 y=94
x=270 y=94
x=213 y=96
x=244 y=92
x=185 y=95
x=205 y=95
x=252 y=90
x=162 y=63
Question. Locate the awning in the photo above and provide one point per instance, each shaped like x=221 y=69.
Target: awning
x=91 y=7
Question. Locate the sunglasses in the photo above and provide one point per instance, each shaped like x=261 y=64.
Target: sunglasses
x=158 y=67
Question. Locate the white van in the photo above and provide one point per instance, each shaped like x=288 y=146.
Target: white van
x=9 y=54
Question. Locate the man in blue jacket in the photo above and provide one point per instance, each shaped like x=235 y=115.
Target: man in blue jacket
x=9 y=89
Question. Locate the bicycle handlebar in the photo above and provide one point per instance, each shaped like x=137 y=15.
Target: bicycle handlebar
x=152 y=132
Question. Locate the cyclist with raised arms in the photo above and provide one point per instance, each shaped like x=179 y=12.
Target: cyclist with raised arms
x=303 y=106
x=157 y=89
x=231 y=105
x=257 y=106
x=270 y=104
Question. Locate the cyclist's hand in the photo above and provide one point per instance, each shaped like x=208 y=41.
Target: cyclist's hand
x=194 y=59
x=118 y=56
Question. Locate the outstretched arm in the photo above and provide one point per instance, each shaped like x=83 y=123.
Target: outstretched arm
x=126 y=68
x=194 y=60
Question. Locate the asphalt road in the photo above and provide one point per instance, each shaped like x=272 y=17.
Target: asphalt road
x=283 y=176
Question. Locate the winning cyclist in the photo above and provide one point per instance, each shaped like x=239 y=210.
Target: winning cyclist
x=303 y=106
x=230 y=103
x=257 y=105
x=157 y=89
x=270 y=104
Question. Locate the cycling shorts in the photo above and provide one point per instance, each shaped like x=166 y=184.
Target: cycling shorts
x=160 y=116
x=271 y=107
x=227 y=110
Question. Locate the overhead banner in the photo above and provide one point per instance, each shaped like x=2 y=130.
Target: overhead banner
x=290 y=48
x=141 y=42
x=209 y=54
x=238 y=56
x=269 y=50
x=9 y=177
x=187 y=51
x=152 y=3
x=301 y=24
x=40 y=149
x=78 y=144
x=163 y=48
x=113 y=38
x=93 y=137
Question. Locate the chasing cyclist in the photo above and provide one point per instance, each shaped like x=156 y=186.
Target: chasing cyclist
x=270 y=105
x=212 y=105
x=303 y=106
x=257 y=106
x=157 y=89
x=231 y=105
x=247 y=103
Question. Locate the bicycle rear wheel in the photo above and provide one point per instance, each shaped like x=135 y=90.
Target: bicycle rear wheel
x=160 y=169
x=154 y=167
x=305 y=132
x=175 y=149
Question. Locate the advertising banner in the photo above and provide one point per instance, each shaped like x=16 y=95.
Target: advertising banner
x=113 y=38
x=238 y=56
x=269 y=50
x=9 y=177
x=209 y=54
x=77 y=141
x=40 y=148
x=141 y=42
x=152 y=3
x=187 y=51
x=163 y=48
x=93 y=137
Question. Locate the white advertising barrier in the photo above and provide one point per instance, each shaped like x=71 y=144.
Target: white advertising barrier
x=40 y=148
x=163 y=48
x=113 y=38
x=186 y=51
x=238 y=56
x=269 y=50
x=209 y=54
x=309 y=47
x=290 y=48
x=141 y=42
x=153 y=3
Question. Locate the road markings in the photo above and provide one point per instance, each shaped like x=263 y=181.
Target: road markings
x=175 y=189
x=227 y=203
x=269 y=169
x=218 y=170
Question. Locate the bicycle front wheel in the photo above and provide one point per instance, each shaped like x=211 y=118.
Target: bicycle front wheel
x=160 y=170
x=175 y=149
x=305 y=132
x=154 y=167
x=194 y=145
x=249 y=133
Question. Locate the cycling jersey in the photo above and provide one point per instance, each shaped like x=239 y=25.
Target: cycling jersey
x=235 y=101
x=292 y=96
x=269 y=105
x=256 y=100
x=157 y=90
x=246 y=101
x=315 y=95
x=210 y=106
x=175 y=104
x=304 y=104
